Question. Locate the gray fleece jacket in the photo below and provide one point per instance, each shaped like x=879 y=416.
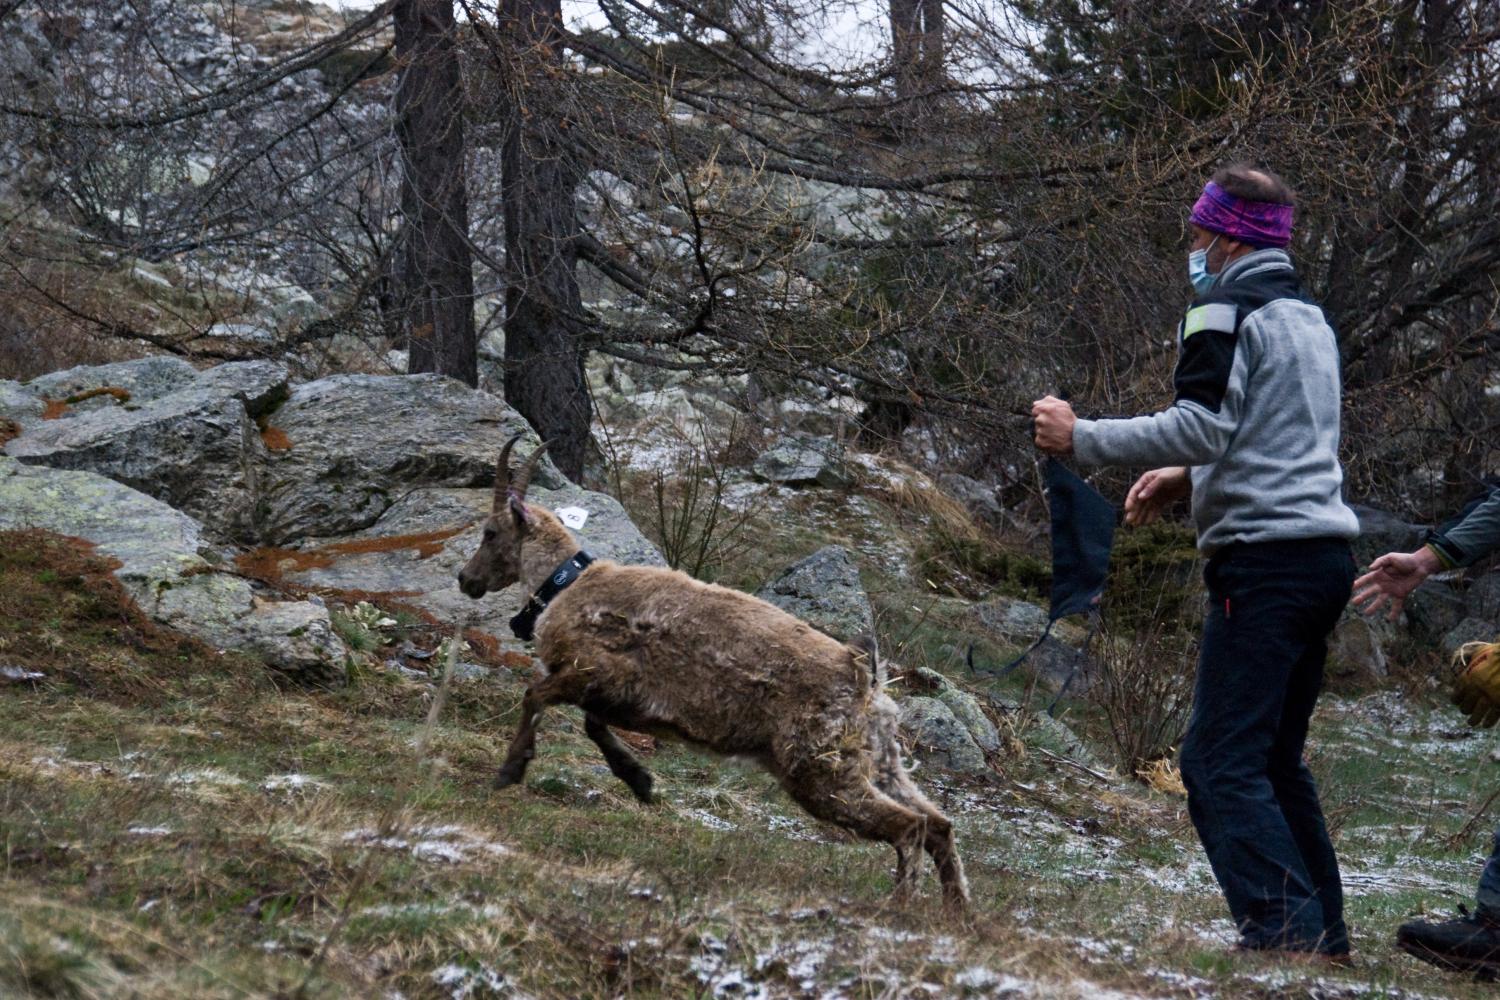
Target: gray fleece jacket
x=1475 y=536
x=1256 y=413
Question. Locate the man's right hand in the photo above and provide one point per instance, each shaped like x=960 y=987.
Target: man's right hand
x=1391 y=580
x=1154 y=492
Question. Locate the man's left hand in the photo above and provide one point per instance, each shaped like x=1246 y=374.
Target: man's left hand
x=1053 y=421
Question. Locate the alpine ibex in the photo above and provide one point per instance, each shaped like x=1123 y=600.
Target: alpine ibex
x=653 y=650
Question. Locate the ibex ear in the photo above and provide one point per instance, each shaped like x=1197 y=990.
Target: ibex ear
x=519 y=512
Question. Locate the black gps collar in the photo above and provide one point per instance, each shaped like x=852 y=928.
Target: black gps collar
x=524 y=624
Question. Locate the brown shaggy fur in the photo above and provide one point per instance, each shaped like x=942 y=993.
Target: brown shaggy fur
x=654 y=650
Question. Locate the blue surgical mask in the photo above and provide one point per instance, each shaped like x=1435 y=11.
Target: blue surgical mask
x=1198 y=274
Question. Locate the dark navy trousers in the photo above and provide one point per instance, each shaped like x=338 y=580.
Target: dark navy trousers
x=1489 y=883
x=1251 y=797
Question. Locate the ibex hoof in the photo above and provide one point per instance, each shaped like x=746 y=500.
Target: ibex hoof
x=641 y=786
x=508 y=776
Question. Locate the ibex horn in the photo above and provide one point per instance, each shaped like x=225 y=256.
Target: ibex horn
x=528 y=470
x=502 y=474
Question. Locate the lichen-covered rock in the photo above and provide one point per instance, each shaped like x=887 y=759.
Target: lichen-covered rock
x=1356 y=652
x=1381 y=532
x=356 y=443
x=803 y=461
x=824 y=590
x=144 y=379
x=162 y=567
x=20 y=404
x=150 y=540
x=979 y=498
x=1467 y=631
x=260 y=385
x=1019 y=622
x=1012 y=619
x=296 y=637
x=964 y=706
x=939 y=737
x=195 y=449
x=1483 y=598
x=1433 y=610
x=418 y=546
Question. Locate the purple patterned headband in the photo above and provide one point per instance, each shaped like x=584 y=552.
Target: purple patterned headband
x=1259 y=223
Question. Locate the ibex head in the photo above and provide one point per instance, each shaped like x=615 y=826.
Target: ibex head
x=497 y=563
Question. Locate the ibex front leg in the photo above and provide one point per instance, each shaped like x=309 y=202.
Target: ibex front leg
x=523 y=746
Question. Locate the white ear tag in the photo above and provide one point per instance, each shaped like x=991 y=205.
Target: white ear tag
x=573 y=517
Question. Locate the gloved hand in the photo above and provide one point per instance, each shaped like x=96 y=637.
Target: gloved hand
x=1476 y=690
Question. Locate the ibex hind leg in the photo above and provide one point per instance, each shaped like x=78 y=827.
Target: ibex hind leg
x=843 y=796
x=937 y=838
x=892 y=778
x=621 y=761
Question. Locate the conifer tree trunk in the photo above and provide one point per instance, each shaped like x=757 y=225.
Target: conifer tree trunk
x=544 y=376
x=434 y=275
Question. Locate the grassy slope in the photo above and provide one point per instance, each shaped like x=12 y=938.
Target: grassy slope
x=153 y=844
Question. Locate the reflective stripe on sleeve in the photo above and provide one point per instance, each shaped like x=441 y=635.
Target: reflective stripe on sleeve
x=1218 y=316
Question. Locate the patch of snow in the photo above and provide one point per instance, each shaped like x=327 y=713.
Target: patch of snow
x=978 y=978
x=709 y=820
x=20 y=674
x=148 y=831
x=290 y=783
x=451 y=844
x=462 y=982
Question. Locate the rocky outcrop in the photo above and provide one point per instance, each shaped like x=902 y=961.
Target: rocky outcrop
x=163 y=566
x=196 y=450
x=804 y=461
x=1357 y=651
x=1466 y=631
x=1057 y=661
x=1381 y=532
x=350 y=446
x=144 y=379
x=414 y=552
x=824 y=590
x=1433 y=610
x=938 y=736
x=256 y=459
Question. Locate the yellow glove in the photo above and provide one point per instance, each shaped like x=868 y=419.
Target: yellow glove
x=1477 y=687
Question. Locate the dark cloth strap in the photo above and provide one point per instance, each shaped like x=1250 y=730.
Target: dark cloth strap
x=524 y=624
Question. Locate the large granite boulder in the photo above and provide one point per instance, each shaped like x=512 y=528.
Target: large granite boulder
x=1357 y=650
x=1433 y=610
x=162 y=566
x=798 y=460
x=144 y=379
x=350 y=446
x=416 y=548
x=1483 y=598
x=1381 y=532
x=195 y=449
x=824 y=590
x=186 y=438
x=1467 y=631
x=939 y=737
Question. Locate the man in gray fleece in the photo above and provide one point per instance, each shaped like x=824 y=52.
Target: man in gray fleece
x=1254 y=434
x=1471 y=942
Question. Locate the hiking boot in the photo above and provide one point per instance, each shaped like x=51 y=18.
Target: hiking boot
x=1468 y=944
